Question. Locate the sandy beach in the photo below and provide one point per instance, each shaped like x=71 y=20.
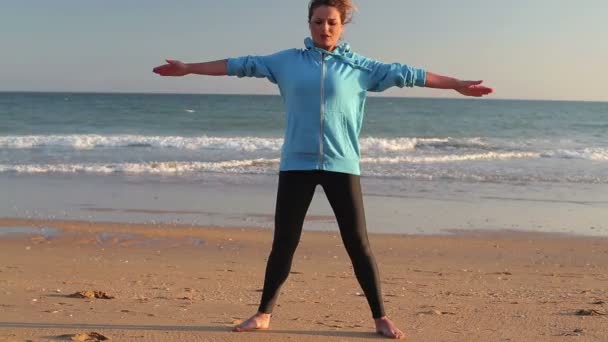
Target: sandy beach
x=187 y=283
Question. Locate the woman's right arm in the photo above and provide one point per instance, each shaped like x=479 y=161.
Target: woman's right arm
x=270 y=66
x=178 y=68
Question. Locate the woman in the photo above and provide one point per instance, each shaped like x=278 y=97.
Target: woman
x=324 y=87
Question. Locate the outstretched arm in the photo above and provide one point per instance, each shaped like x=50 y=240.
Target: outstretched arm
x=177 y=68
x=467 y=88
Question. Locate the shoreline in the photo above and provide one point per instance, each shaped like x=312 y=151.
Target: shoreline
x=174 y=229
x=178 y=283
x=391 y=206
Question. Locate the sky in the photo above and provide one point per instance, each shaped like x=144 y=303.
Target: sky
x=524 y=49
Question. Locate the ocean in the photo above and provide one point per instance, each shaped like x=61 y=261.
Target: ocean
x=434 y=149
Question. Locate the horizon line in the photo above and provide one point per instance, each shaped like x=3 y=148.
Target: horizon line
x=277 y=95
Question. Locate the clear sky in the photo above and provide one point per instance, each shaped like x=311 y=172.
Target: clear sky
x=525 y=49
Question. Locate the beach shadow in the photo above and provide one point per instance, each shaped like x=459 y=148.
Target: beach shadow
x=326 y=333
x=208 y=328
x=56 y=295
x=110 y=326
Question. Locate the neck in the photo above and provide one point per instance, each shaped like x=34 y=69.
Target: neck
x=328 y=48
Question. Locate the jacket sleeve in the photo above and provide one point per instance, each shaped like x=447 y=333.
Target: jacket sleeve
x=269 y=66
x=383 y=76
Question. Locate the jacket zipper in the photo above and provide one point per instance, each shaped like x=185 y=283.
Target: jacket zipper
x=322 y=110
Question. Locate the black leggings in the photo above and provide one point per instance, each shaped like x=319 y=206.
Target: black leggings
x=296 y=189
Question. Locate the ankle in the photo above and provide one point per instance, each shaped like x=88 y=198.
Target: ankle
x=263 y=315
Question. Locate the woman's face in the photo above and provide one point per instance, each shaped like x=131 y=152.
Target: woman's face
x=326 y=27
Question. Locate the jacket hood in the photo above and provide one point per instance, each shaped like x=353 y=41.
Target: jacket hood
x=341 y=49
x=342 y=52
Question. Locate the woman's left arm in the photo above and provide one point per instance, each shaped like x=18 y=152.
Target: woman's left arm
x=467 y=88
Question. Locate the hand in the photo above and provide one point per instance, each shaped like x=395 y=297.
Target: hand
x=172 y=68
x=473 y=88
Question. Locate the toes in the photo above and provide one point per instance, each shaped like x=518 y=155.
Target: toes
x=247 y=325
x=251 y=324
x=396 y=334
x=391 y=333
x=399 y=334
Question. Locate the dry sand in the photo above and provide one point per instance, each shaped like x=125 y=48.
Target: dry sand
x=178 y=283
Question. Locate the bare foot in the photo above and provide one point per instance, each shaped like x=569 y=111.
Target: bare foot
x=386 y=327
x=259 y=321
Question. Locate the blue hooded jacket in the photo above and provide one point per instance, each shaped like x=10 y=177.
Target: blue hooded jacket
x=324 y=96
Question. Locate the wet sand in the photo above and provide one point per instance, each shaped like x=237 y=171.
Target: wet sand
x=186 y=283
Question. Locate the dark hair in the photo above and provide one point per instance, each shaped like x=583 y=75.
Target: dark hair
x=345 y=7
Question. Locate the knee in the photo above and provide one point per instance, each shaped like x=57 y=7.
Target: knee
x=284 y=248
x=358 y=247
